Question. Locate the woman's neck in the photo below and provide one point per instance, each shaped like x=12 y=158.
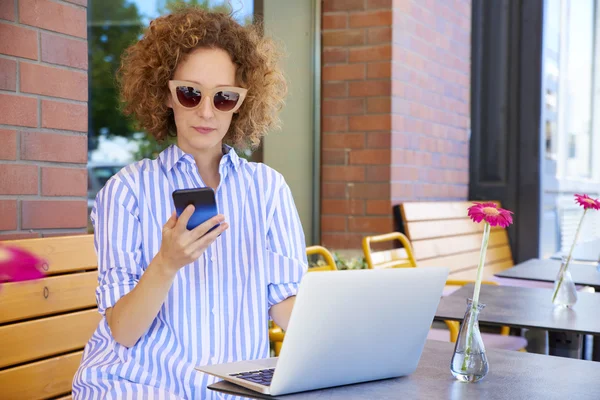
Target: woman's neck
x=207 y=162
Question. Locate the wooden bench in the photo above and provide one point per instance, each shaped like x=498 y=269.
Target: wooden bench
x=45 y=324
x=442 y=234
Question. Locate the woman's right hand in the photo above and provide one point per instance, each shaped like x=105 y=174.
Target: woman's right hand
x=181 y=246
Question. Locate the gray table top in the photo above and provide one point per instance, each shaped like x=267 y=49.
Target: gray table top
x=546 y=270
x=525 y=308
x=512 y=375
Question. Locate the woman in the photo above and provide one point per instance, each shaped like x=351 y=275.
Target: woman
x=172 y=298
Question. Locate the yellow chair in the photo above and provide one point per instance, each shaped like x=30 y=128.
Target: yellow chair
x=404 y=258
x=394 y=258
x=276 y=334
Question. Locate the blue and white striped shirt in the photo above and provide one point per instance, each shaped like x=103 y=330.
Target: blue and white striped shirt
x=217 y=309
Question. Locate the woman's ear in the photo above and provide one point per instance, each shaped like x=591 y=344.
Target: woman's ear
x=169 y=101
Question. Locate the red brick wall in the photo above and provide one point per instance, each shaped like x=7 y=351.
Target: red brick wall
x=43 y=118
x=395 y=110
x=430 y=100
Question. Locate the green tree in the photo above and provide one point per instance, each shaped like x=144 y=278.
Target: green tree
x=114 y=25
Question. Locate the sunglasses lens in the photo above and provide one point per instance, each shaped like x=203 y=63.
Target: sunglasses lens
x=226 y=101
x=188 y=96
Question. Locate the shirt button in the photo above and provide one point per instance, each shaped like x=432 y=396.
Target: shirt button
x=214 y=360
x=214 y=310
x=213 y=258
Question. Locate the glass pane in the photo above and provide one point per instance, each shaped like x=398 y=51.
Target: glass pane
x=578 y=90
x=551 y=74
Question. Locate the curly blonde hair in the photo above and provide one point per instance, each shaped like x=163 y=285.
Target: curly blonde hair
x=148 y=65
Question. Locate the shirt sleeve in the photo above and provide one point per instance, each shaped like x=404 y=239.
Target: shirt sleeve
x=286 y=248
x=118 y=242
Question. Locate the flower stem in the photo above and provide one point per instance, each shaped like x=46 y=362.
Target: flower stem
x=562 y=275
x=475 y=303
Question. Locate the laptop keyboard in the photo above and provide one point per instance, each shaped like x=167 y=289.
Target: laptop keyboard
x=262 y=376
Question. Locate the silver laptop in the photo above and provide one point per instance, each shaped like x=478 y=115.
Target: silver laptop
x=347 y=327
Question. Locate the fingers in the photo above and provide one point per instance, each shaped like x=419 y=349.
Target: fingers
x=171 y=222
x=201 y=244
x=201 y=229
x=184 y=218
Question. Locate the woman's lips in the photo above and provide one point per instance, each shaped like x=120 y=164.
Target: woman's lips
x=203 y=129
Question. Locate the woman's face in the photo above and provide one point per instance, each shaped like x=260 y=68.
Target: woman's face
x=202 y=129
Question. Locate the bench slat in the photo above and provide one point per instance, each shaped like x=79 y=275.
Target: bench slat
x=436 y=210
x=443 y=228
x=468 y=260
x=64 y=253
x=31 y=340
x=40 y=380
x=430 y=248
x=22 y=300
x=488 y=271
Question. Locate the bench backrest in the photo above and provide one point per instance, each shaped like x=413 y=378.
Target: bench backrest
x=442 y=234
x=45 y=324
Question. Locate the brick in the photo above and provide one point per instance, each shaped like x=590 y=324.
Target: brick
x=379 y=105
x=342 y=207
x=53 y=147
x=54 y=16
x=8 y=150
x=353 y=37
x=8 y=74
x=370 y=53
x=344 y=72
x=343 y=107
x=78 y=2
x=68 y=116
x=369 y=191
x=333 y=157
x=333 y=190
x=334 y=21
x=370 y=88
x=370 y=224
x=18 y=179
x=378 y=140
x=18 y=41
x=343 y=5
x=18 y=110
x=19 y=235
x=333 y=223
x=374 y=4
x=50 y=81
x=334 y=124
x=370 y=157
x=342 y=173
x=343 y=141
x=64 y=51
x=342 y=240
x=335 y=89
x=404 y=173
x=402 y=191
x=52 y=214
x=371 y=18
x=64 y=181
x=8 y=215
x=379 y=35
x=378 y=173
x=379 y=207
x=335 y=55
x=7 y=10
x=378 y=70
x=365 y=123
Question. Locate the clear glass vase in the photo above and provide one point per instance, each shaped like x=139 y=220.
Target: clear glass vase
x=564 y=293
x=469 y=362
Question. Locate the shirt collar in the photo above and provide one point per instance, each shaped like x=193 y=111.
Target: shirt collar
x=173 y=155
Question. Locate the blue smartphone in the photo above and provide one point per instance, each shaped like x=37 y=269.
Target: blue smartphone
x=203 y=200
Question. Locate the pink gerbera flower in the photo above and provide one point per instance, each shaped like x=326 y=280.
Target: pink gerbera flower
x=490 y=213
x=587 y=202
x=17 y=264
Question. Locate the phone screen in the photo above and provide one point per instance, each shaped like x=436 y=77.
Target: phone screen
x=203 y=200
